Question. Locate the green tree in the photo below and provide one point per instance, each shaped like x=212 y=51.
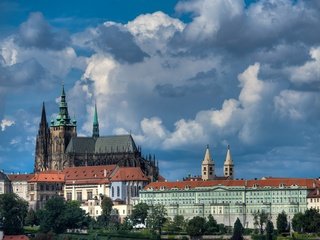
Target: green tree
x=196 y=226
x=13 y=211
x=157 y=217
x=139 y=213
x=297 y=222
x=52 y=216
x=106 y=205
x=269 y=230
x=282 y=222
x=31 y=218
x=74 y=216
x=58 y=215
x=126 y=225
x=211 y=225
x=179 y=224
x=237 y=230
x=311 y=221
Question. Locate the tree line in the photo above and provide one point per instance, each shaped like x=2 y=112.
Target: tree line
x=59 y=215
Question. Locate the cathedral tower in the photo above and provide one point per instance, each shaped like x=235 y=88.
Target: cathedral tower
x=207 y=166
x=62 y=129
x=95 y=129
x=42 y=144
x=228 y=167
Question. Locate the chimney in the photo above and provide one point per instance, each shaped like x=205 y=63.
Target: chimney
x=105 y=172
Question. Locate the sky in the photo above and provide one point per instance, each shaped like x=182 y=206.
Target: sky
x=177 y=75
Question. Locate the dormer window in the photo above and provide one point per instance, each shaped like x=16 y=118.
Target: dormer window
x=281 y=185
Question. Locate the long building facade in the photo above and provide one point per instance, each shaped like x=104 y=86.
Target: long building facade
x=228 y=200
x=58 y=146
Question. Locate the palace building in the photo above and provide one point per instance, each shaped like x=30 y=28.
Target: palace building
x=227 y=199
x=58 y=146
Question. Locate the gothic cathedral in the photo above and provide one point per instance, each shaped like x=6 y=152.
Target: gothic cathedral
x=58 y=146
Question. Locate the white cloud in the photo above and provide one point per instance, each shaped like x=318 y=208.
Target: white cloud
x=153 y=31
x=209 y=16
x=153 y=128
x=296 y=105
x=186 y=133
x=6 y=123
x=221 y=118
x=251 y=86
x=309 y=72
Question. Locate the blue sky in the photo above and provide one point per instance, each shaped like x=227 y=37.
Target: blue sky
x=178 y=75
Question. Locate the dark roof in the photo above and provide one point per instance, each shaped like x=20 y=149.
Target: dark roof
x=107 y=144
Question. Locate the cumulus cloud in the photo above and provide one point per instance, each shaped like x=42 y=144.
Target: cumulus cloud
x=5 y=123
x=36 y=32
x=182 y=85
x=118 y=41
x=309 y=72
x=295 y=105
x=154 y=31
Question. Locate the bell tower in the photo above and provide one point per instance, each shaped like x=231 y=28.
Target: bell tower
x=228 y=167
x=62 y=129
x=207 y=170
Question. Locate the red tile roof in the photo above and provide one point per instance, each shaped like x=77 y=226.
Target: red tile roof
x=128 y=174
x=88 y=174
x=15 y=237
x=269 y=182
x=20 y=177
x=48 y=177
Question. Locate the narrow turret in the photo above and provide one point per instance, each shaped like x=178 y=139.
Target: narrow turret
x=95 y=130
x=207 y=166
x=228 y=165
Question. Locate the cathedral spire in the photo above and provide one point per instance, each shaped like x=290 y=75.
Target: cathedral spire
x=42 y=143
x=43 y=121
x=95 y=130
x=63 y=117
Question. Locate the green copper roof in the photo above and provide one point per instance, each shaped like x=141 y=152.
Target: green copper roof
x=107 y=144
x=63 y=118
x=95 y=130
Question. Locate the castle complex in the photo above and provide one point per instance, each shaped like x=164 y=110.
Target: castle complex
x=58 y=146
x=87 y=168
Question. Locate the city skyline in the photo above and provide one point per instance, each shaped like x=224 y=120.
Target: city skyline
x=176 y=75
